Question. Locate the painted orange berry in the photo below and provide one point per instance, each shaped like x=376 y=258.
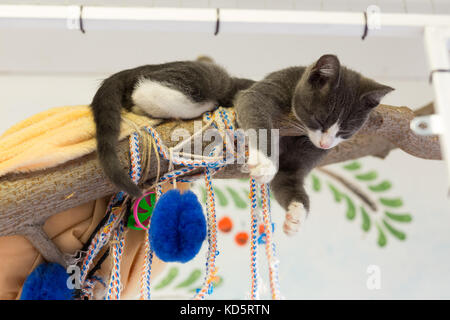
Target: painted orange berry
x=261 y=228
x=241 y=238
x=225 y=224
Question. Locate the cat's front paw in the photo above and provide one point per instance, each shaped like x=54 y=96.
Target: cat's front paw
x=295 y=217
x=261 y=168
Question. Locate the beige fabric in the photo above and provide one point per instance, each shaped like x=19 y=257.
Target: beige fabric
x=69 y=230
x=56 y=136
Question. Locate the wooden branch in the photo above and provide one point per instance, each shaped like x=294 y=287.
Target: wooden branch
x=29 y=199
x=387 y=129
x=37 y=236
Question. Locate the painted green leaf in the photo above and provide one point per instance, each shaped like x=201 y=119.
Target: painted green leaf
x=237 y=199
x=365 y=220
x=369 y=176
x=192 y=278
x=394 y=203
x=218 y=283
x=400 y=217
x=353 y=166
x=383 y=186
x=395 y=232
x=382 y=240
x=315 y=183
x=351 y=210
x=336 y=193
x=171 y=275
x=223 y=201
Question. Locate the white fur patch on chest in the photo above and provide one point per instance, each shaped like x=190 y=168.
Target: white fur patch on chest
x=160 y=101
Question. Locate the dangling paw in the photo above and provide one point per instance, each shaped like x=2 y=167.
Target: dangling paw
x=295 y=217
x=262 y=168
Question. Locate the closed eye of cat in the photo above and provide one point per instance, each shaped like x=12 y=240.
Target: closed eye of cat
x=316 y=123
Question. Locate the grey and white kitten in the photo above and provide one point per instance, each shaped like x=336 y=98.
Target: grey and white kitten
x=175 y=90
x=330 y=102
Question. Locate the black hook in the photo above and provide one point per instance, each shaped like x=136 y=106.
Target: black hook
x=430 y=79
x=366 y=27
x=81 y=20
x=217 y=22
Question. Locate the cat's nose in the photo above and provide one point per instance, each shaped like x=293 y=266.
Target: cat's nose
x=324 y=145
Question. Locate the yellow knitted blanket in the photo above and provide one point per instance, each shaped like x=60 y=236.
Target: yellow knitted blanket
x=55 y=136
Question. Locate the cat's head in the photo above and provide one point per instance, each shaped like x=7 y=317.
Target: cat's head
x=333 y=102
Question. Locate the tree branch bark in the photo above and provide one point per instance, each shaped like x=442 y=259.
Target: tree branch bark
x=29 y=199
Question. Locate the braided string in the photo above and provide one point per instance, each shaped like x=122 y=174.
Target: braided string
x=148 y=253
x=146 y=269
x=254 y=242
x=89 y=288
x=104 y=234
x=135 y=158
x=98 y=242
x=211 y=269
x=270 y=246
x=115 y=286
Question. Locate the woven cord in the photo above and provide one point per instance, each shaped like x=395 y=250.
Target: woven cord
x=270 y=246
x=254 y=242
x=211 y=269
x=115 y=285
x=98 y=242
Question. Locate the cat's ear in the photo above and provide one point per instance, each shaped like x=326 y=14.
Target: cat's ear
x=325 y=70
x=372 y=97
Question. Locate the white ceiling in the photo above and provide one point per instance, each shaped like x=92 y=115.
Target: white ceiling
x=408 y=6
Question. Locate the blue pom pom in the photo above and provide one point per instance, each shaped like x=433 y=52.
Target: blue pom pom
x=47 y=282
x=178 y=226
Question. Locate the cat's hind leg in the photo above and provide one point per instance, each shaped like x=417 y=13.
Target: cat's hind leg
x=295 y=217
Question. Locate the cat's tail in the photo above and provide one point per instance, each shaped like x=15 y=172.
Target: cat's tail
x=106 y=107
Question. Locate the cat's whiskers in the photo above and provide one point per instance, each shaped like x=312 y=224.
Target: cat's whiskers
x=295 y=124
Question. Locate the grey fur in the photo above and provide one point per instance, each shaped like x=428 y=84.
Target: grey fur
x=319 y=95
x=199 y=80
